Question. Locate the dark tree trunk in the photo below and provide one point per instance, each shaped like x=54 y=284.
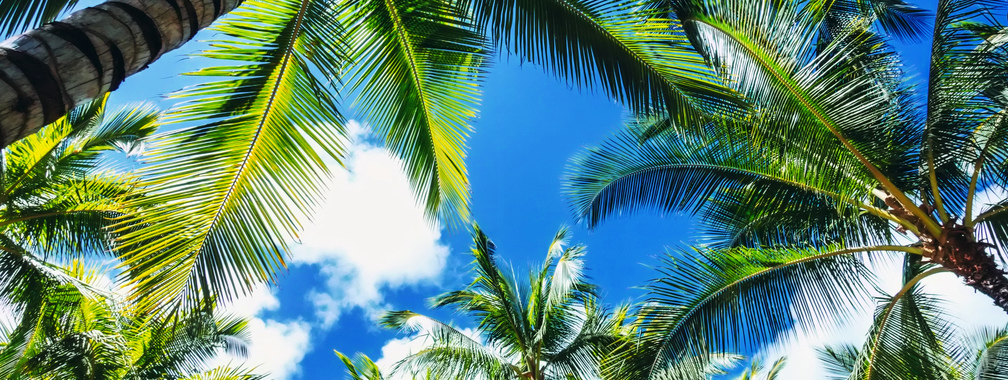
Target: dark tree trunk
x=958 y=251
x=45 y=72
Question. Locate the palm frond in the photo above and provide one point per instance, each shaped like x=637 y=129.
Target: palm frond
x=713 y=171
x=960 y=110
x=844 y=99
x=450 y=354
x=633 y=53
x=227 y=373
x=361 y=367
x=741 y=299
x=839 y=362
x=225 y=197
x=416 y=69
x=18 y=16
x=910 y=339
x=990 y=359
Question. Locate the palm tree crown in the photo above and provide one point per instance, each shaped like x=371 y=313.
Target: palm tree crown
x=833 y=162
x=551 y=327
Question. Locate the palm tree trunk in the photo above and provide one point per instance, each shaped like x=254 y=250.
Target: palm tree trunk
x=958 y=251
x=45 y=72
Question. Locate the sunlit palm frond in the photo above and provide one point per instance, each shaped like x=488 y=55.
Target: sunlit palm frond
x=635 y=54
x=910 y=339
x=415 y=73
x=741 y=299
x=225 y=197
x=493 y=298
x=989 y=359
x=60 y=191
x=181 y=344
x=18 y=16
x=964 y=78
x=839 y=99
x=449 y=352
x=699 y=171
x=897 y=18
x=361 y=367
x=227 y=373
x=577 y=349
x=754 y=217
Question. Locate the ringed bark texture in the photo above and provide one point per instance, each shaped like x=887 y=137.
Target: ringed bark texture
x=45 y=72
x=957 y=250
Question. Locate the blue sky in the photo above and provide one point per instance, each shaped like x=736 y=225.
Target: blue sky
x=370 y=249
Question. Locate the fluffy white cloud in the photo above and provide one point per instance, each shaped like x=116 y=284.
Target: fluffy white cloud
x=370 y=234
x=276 y=347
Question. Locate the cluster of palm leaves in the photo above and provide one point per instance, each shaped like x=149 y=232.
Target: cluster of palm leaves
x=65 y=317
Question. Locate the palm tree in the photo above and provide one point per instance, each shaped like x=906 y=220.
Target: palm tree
x=551 y=327
x=60 y=194
x=911 y=338
x=96 y=335
x=833 y=163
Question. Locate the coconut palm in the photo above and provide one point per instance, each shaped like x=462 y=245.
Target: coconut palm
x=551 y=327
x=834 y=163
x=912 y=338
x=98 y=335
x=60 y=193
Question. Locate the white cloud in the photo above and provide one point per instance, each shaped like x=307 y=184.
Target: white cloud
x=276 y=348
x=369 y=234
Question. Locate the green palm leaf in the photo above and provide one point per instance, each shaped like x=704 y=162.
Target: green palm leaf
x=631 y=52
x=991 y=359
x=415 y=72
x=361 y=367
x=910 y=339
x=225 y=197
x=717 y=172
x=18 y=16
x=741 y=299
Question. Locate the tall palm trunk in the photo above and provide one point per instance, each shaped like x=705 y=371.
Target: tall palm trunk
x=47 y=71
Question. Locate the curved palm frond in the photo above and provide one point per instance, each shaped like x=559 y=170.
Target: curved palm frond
x=60 y=189
x=416 y=69
x=225 y=197
x=628 y=50
x=741 y=299
x=361 y=367
x=839 y=362
x=227 y=373
x=845 y=99
x=18 y=16
x=910 y=339
x=963 y=111
x=719 y=173
x=990 y=359
x=553 y=328
x=450 y=354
